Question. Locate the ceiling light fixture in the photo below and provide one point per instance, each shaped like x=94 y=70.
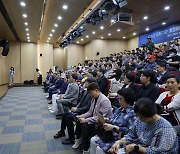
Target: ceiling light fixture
x=27 y=29
x=49 y=38
x=109 y=34
x=147 y=28
x=77 y=42
x=166 y=8
x=65 y=7
x=163 y=23
x=23 y=4
x=28 y=40
x=59 y=18
x=27 y=34
x=93 y=32
x=53 y=30
x=56 y=25
x=118 y=30
x=102 y=27
x=124 y=37
x=50 y=35
x=24 y=15
x=26 y=23
x=82 y=39
x=134 y=33
x=102 y=37
x=145 y=17
x=87 y=36
x=47 y=41
x=28 y=37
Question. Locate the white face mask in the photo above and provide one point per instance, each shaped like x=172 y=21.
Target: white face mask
x=172 y=54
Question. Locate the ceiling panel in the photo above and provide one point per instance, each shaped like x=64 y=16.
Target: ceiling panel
x=33 y=9
x=5 y=32
x=69 y=16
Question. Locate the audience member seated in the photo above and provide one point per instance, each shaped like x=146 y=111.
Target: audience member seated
x=53 y=108
x=109 y=70
x=162 y=73
x=102 y=82
x=140 y=62
x=173 y=60
x=99 y=104
x=150 y=133
x=151 y=64
x=129 y=82
x=69 y=99
x=122 y=119
x=170 y=100
x=58 y=83
x=68 y=117
x=117 y=72
x=159 y=56
x=148 y=89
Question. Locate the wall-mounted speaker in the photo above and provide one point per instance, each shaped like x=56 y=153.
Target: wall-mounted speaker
x=40 y=54
x=5 y=47
x=97 y=53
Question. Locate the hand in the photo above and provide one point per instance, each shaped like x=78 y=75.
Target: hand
x=130 y=148
x=114 y=148
x=82 y=120
x=106 y=120
x=58 y=91
x=108 y=127
x=74 y=109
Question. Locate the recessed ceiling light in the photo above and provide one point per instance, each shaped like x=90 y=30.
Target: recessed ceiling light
x=77 y=42
x=23 y=4
x=28 y=40
x=163 y=23
x=59 y=17
x=102 y=27
x=166 y=7
x=56 y=25
x=87 y=36
x=82 y=39
x=49 y=38
x=134 y=33
x=50 y=35
x=27 y=34
x=102 y=37
x=145 y=17
x=124 y=37
x=47 y=41
x=93 y=32
x=28 y=37
x=26 y=23
x=65 y=7
x=147 y=28
x=27 y=29
x=109 y=34
x=24 y=15
x=118 y=30
x=53 y=30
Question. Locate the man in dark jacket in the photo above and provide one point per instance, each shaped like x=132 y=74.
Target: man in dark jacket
x=102 y=82
x=68 y=117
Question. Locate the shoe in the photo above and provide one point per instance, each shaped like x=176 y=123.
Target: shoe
x=58 y=117
x=59 y=134
x=85 y=152
x=47 y=96
x=68 y=141
x=50 y=102
x=76 y=144
x=52 y=111
x=49 y=106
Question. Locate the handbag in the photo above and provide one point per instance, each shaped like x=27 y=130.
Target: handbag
x=106 y=136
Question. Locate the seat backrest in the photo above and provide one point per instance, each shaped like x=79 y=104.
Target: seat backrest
x=162 y=90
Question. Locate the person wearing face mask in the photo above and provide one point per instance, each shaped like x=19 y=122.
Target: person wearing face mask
x=173 y=60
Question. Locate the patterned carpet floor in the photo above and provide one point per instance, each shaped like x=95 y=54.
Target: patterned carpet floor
x=26 y=125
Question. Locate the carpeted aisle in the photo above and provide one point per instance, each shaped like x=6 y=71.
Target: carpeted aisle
x=26 y=125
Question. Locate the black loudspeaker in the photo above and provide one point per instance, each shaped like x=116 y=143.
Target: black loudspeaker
x=5 y=45
x=40 y=54
x=97 y=54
